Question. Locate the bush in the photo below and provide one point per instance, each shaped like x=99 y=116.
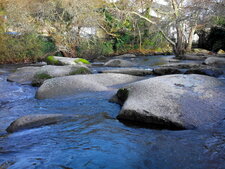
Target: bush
x=24 y=48
x=95 y=48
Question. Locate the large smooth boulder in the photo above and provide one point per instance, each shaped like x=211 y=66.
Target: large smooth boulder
x=23 y=75
x=125 y=56
x=118 y=63
x=49 y=71
x=57 y=60
x=215 y=61
x=69 y=85
x=173 y=101
x=36 y=120
x=130 y=71
x=58 y=71
x=36 y=75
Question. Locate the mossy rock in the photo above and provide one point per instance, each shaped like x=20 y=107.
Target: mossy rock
x=81 y=70
x=80 y=60
x=40 y=78
x=52 y=61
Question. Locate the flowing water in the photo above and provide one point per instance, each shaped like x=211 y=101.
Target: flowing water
x=95 y=138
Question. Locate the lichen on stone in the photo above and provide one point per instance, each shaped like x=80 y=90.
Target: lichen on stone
x=52 y=61
x=80 y=60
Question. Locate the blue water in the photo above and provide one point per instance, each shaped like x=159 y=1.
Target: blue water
x=95 y=138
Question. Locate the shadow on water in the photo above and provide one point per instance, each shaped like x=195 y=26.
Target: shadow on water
x=95 y=138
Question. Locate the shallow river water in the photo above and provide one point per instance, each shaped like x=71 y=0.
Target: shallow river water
x=95 y=138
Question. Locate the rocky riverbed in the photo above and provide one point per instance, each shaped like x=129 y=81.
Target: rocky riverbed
x=69 y=122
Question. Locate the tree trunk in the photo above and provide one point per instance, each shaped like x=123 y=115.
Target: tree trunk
x=178 y=51
x=179 y=46
x=190 y=38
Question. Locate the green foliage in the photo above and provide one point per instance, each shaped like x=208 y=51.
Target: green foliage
x=106 y=48
x=52 y=61
x=81 y=70
x=23 y=48
x=82 y=61
x=219 y=20
x=95 y=48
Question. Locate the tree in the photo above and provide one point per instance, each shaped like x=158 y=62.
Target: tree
x=176 y=20
x=63 y=20
x=2 y=15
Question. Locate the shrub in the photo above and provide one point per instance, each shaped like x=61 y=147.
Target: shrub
x=23 y=48
x=95 y=48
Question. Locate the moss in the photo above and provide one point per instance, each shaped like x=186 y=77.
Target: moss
x=43 y=76
x=52 y=61
x=81 y=70
x=40 y=78
x=82 y=61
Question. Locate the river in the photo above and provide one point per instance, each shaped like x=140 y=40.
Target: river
x=95 y=138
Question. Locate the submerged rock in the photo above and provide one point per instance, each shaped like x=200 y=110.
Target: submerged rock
x=173 y=101
x=215 y=61
x=130 y=71
x=49 y=71
x=37 y=120
x=166 y=71
x=118 y=63
x=69 y=85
